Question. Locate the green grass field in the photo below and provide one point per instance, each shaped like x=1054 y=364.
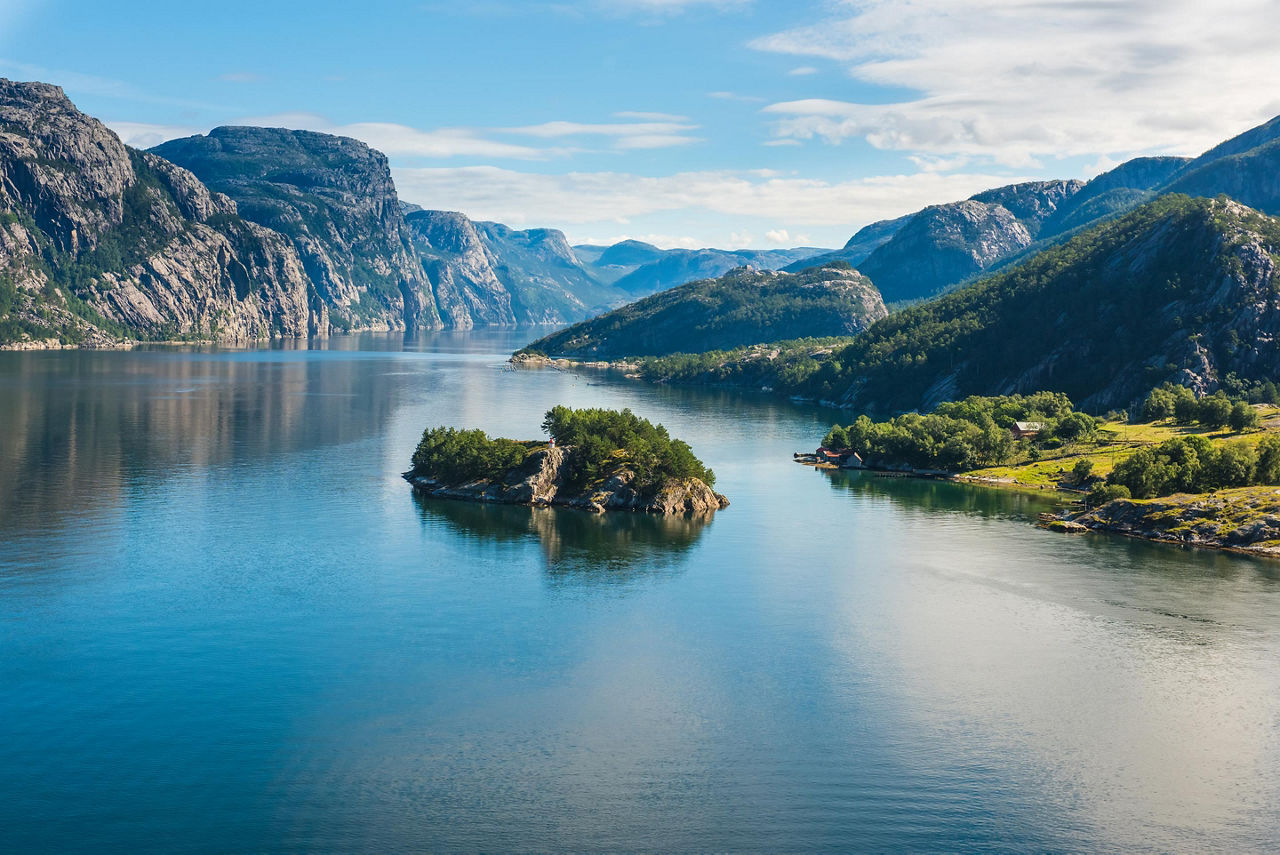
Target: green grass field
x=1116 y=441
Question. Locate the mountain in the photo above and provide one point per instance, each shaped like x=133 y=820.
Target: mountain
x=100 y=241
x=940 y=247
x=867 y=240
x=333 y=197
x=548 y=282
x=677 y=266
x=945 y=244
x=1181 y=290
x=487 y=273
x=742 y=307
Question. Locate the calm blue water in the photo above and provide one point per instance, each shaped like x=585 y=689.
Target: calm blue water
x=226 y=625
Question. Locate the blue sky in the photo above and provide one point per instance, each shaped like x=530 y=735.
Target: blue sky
x=684 y=122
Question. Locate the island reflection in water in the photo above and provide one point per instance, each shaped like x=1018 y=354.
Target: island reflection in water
x=578 y=547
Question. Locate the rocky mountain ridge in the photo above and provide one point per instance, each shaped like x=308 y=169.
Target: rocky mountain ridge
x=334 y=199
x=98 y=240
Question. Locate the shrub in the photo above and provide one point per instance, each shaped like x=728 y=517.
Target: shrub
x=1103 y=493
x=1082 y=471
x=1242 y=417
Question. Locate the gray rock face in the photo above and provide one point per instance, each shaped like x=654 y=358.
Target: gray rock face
x=461 y=269
x=943 y=245
x=100 y=239
x=542 y=481
x=334 y=199
x=487 y=273
x=866 y=241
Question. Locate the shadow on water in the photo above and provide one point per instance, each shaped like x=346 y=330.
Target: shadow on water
x=934 y=495
x=578 y=548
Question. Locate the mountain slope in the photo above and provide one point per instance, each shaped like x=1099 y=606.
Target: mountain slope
x=334 y=199
x=946 y=244
x=678 y=266
x=1181 y=289
x=866 y=241
x=742 y=307
x=99 y=241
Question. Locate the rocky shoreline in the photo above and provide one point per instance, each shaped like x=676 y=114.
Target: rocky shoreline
x=541 y=481
x=1245 y=519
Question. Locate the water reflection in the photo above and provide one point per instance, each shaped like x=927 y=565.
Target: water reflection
x=578 y=548
x=949 y=496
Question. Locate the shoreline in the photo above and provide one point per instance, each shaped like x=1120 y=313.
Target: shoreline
x=1187 y=524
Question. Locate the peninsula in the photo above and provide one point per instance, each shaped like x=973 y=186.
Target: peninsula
x=596 y=460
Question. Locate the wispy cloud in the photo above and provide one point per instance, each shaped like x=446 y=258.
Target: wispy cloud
x=733 y=96
x=626 y=135
x=77 y=83
x=1015 y=80
x=491 y=193
x=403 y=141
x=802 y=71
x=144 y=135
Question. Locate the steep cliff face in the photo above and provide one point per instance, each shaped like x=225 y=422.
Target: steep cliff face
x=740 y=308
x=98 y=240
x=334 y=199
x=548 y=284
x=943 y=245
x=487 y=273
x=461 y=269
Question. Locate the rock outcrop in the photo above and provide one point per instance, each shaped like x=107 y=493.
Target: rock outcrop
x=98 y=240
x=1246 y=518
x=334 y=199
x=542 y=480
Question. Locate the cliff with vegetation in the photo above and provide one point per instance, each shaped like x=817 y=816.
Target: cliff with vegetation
x=740 y=308
x=100 y=242
x=1181 y=290
x=334 y=199
x=598 y=460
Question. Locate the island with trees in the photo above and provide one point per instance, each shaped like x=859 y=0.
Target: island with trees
x=596 y=459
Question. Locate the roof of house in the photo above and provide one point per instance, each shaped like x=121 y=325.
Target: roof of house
x=1029 y=426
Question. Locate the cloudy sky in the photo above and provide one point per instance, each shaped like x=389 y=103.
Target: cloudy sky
x=684 y=122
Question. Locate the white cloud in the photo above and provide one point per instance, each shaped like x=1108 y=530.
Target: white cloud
x=522 y=198
x=650 y=117
x=626 y=135
x=734 y=96
x=672 y=6
x=403 y=141
x=664 y=241
x=777 y=235
x=802 y=71
x=144 y=135
x=1019 y=79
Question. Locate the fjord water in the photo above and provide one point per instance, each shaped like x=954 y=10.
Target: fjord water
x=226 y=625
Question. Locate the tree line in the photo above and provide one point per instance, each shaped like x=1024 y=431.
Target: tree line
x=967 y=434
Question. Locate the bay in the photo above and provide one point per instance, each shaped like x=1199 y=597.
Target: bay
x=227 y=625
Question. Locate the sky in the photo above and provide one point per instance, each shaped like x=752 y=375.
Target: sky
x=727 y=123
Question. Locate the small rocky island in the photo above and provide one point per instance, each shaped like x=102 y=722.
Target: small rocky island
x=597 y=460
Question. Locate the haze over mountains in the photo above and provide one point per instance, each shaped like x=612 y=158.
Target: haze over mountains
x=247 y=233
